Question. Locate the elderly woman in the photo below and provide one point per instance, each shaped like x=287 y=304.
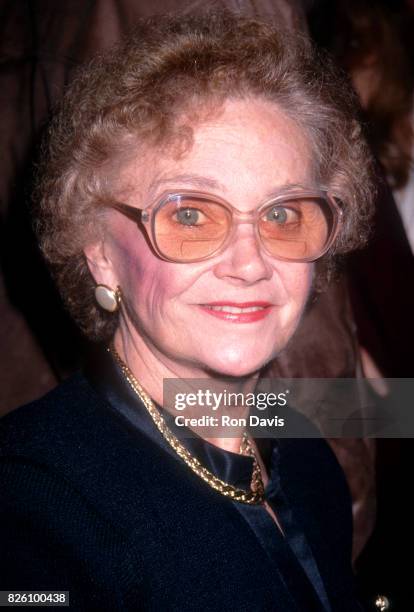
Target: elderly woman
x=194 y=177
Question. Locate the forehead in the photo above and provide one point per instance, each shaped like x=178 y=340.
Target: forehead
x=248 y=148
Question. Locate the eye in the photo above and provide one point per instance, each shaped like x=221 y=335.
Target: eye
x=189 y=216
x=282 y=215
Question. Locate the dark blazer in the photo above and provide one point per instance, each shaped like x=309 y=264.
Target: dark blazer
x=91 y=505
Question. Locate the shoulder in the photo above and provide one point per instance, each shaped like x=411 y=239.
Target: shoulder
x=55 y=508
x=60 y=430
x=68 y=404
x=316 y=484
x=74 y=437
x=311 y=464
x=72 y=420
x=308 y=456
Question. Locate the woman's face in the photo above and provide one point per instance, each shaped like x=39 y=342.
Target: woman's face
x=245 y=154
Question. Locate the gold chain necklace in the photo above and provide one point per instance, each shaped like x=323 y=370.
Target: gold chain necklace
x=256 y=493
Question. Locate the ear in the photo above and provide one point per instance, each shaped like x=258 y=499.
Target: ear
x=100 y=264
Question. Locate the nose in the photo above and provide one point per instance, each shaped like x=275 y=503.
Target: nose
x=243 y=261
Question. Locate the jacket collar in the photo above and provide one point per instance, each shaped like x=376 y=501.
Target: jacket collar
x=105 y=375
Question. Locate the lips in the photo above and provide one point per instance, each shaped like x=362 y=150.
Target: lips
x=238 y=312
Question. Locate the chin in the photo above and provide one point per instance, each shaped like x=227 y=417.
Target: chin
x=236 y=365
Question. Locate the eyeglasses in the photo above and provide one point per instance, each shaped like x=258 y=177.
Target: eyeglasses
x=189 y=226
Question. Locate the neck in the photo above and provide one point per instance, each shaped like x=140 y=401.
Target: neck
x=151 y=368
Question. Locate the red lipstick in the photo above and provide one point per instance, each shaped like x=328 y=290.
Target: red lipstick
x=238 y=312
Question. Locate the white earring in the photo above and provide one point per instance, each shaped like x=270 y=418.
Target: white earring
x=107 y=298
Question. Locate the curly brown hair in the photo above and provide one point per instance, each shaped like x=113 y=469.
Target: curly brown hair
x=134 y=96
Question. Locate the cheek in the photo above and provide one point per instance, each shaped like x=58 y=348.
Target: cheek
x=297 y=281
x=149 y=284
x=303 y=283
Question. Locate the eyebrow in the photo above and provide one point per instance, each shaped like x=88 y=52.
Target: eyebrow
x=197 y=180
x=206 y=182
x=288 y=188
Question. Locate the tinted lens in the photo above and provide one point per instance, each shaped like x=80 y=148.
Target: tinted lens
x=187 y=228
x=297 y=229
